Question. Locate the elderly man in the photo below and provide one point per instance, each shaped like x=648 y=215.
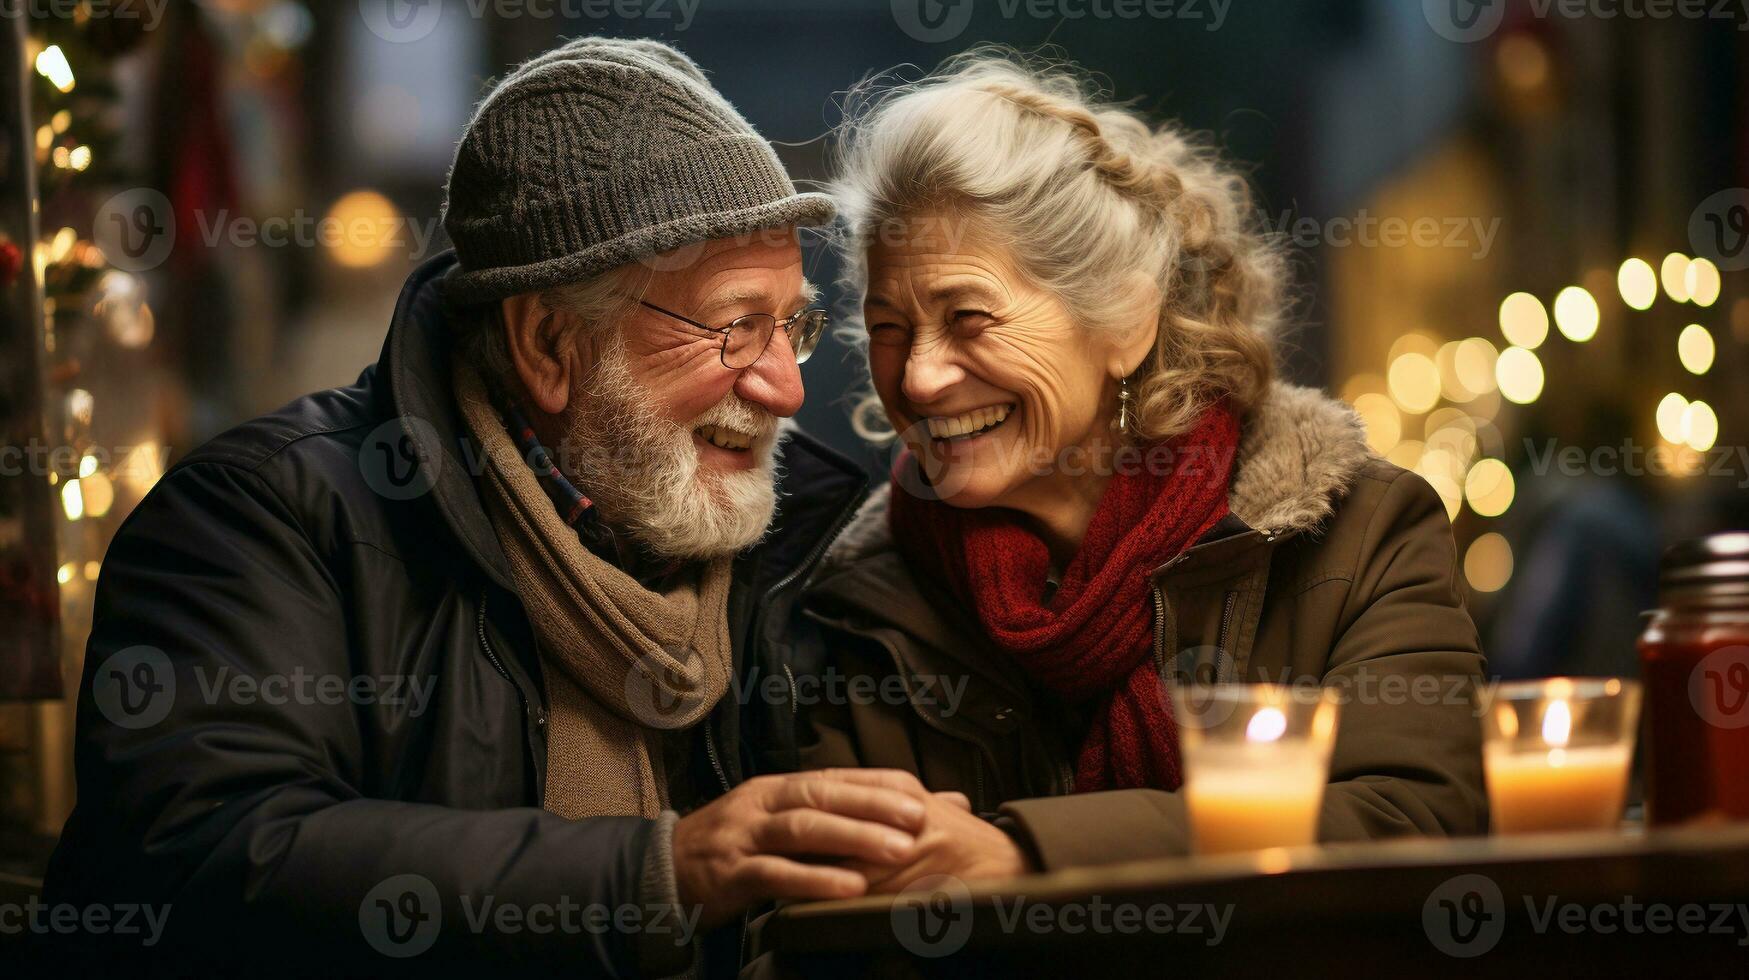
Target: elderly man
x=430 y=665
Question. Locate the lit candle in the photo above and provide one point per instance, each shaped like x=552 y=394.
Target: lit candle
x=1538 y=778
x=1255 y=765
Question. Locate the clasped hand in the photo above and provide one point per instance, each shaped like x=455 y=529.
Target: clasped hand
x=830 y=833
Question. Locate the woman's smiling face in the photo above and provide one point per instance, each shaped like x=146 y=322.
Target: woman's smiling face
x=985 y=375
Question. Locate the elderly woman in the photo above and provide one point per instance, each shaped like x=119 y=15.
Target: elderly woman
x=1101 y=487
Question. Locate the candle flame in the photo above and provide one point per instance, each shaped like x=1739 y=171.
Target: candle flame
x=1557 y=724
x=1267 y=725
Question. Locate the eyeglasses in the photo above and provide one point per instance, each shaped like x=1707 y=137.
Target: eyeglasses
x=745 y=339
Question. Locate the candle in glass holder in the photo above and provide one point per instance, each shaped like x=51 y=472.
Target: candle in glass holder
x=1255 y=762
x=1557 y=753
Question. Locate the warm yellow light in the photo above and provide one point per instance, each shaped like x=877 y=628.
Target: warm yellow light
x=1524 y=322
x=91 y=570
x=61 y=120
x=1489 y=487
x=1576 y=314
x=1450 y=493
x=366 y=228
x=1638 y=283
x=1384 y=427
x=1694 y=347
x=1488 y=563
x=1702 y=282
x=52 y=65
x=1700 y=426
x=1670 y=411
x=72 y=501
x=1520 y=375
x=1474 y=364
x=79 y=158
x=87 y=466
x=1674 y=273
x=1406 y=454
x=98 y=494
x=1414 y=382
x=64 y=574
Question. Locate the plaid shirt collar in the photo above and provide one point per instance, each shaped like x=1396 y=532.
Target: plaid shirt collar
x=578 y=511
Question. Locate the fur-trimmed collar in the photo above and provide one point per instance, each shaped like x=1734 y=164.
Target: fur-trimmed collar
x=1299 y=453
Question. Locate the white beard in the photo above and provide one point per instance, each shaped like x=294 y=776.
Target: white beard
x=643 y=471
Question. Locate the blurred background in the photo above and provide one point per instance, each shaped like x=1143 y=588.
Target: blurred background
x=1520 y=228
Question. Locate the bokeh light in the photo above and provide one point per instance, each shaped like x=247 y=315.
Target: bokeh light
x=1524 y=321
x=1488 y=563
x=368 y=226
x=1638 y=283
x=1669 y=417
x=1702 y=282
x=1673 y=271
x=1384 y=427
x=1414 y=382
x=1694 y=347
x=1576 y=314
x=1700 y=426
x=1519 y=374
x=1489 y=487
x=1474 y=364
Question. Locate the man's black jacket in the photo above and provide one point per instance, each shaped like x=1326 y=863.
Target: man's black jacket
x=223 y=772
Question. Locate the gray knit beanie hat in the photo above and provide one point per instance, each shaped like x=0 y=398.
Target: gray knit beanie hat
x=599 y=153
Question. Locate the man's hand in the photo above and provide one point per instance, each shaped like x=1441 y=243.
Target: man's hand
x=755 y=842
x=954 y=842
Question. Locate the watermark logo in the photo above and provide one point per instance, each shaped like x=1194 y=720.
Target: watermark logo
x=1464 y=21
x=1718 y=687
x=135 y=229
x=401 y=916
x=1465 y=916
x=660 y=692
x=401 y=21
x=391 y=462
x=932 y=21
x=135 y=687
x=932 y=916
x=1719 y=229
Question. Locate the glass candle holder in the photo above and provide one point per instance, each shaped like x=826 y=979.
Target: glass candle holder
x=1557 y=751
x=1256 y=757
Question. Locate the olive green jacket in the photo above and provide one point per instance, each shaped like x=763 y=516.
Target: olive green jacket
x=1343 y=572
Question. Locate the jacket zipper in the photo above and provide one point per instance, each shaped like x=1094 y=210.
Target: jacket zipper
x=498 y=665
x=1226 y=623
x=1159 y=629
x=710 y=749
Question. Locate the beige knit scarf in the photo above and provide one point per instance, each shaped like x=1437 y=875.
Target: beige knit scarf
x=621 y=662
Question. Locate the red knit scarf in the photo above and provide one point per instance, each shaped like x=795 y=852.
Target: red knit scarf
x=1093 y=641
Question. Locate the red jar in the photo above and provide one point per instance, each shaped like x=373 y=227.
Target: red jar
x=1694 y=662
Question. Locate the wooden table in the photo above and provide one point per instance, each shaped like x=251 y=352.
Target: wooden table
x=1656 y=904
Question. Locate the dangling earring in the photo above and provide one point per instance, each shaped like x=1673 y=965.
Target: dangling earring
x=1123 y=405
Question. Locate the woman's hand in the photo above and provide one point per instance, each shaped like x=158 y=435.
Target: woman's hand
x=954 y=841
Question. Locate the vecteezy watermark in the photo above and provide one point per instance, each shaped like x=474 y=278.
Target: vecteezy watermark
x=1719 y=229
x=1718 y=687
x=37 y=458
x=1366 y=230
x=403 y=915
x=137 y=229
x=406 y=21
x=1635 y=460
x=935 y=21
x=934 y=917
x=149 y=13
x=129 y=919
x=1467 y=21
x=135 y=687
x=1467 y=915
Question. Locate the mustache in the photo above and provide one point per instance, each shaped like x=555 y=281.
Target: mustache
x=740 y=415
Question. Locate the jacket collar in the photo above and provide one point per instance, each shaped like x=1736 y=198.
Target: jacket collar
x=814 y=483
